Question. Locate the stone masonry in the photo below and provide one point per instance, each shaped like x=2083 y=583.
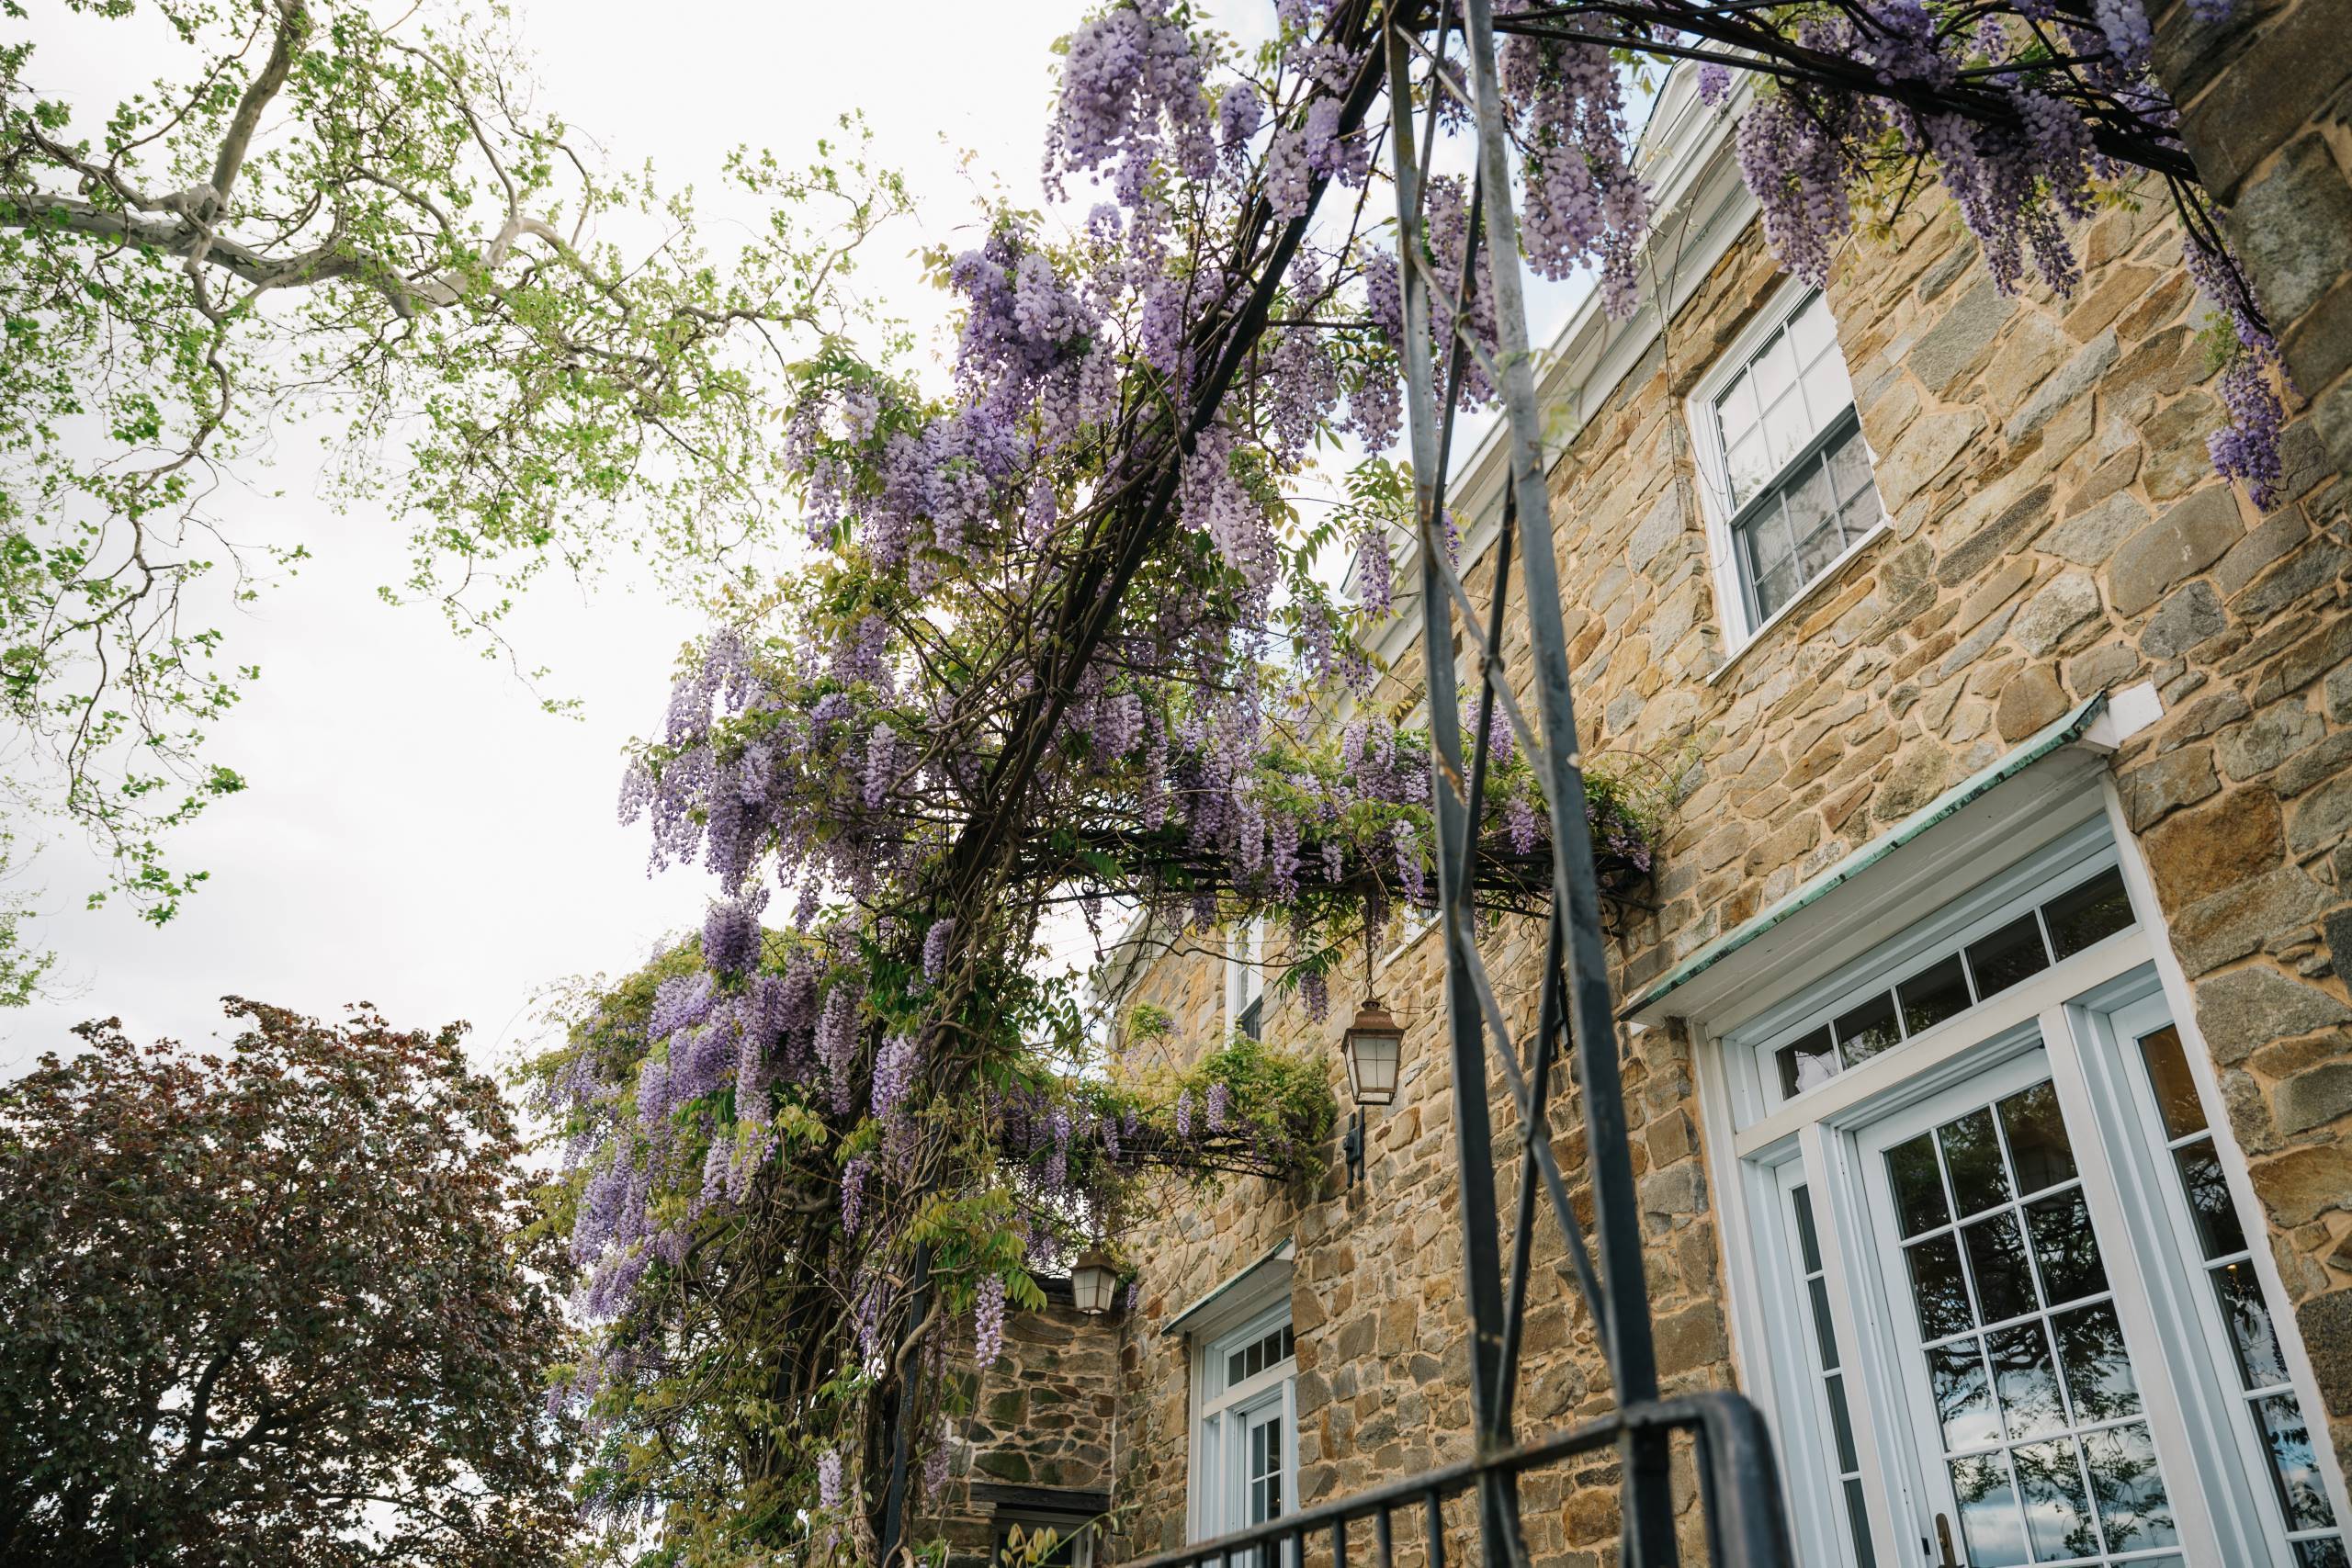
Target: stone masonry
x=1044 y=1426
x=2266 y=101
x=2056 y=531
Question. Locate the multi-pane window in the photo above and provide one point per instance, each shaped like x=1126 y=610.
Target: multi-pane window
x=1794 y=470
x=2045 y=1432
x=2063 y=926
x=1247 y=1461
x=2013 y=1316
x=1846 y=1482
x=2238 y=1297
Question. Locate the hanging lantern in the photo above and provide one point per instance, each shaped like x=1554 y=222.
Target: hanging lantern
x=1093 y=1282
x=1374 y=1045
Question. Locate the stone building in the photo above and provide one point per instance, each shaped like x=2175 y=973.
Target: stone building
x=1985 y=1044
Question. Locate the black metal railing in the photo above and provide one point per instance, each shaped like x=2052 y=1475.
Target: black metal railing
x=1738 y=1496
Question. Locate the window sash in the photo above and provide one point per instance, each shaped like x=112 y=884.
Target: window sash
x=1775 y=418
x=1849 y=517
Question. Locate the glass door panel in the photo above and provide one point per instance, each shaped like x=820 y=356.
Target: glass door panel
x=2239 y=1301
x=1263 y=1478
x=2028 y=1399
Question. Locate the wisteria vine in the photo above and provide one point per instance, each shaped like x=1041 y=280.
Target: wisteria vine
x=1064 y=637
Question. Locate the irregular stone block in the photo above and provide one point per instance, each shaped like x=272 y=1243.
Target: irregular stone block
x=2250 y=1008
x=2189 y=537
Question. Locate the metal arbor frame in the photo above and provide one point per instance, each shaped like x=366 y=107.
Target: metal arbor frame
x=1738 y=1482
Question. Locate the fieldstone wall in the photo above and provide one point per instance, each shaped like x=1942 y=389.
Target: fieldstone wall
x=2265 y=102
x=1045 y=1418
x=2055 y=531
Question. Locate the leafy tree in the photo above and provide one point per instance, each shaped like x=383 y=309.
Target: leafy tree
x=21 y=966
x=332 y=208
x=282 y=1306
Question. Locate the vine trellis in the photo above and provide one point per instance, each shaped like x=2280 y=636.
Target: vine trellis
x=1037 y=618
x=1412 y=46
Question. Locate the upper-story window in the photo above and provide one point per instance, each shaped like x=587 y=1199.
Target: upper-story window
x=1245 y=980
x=1787 y=473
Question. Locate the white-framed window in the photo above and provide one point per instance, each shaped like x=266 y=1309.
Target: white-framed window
x=1245 y=980
x=1785 y=473
x=1994 y=1253
x=1245 y=1468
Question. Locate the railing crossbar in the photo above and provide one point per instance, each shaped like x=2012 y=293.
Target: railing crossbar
x=1728 y=1436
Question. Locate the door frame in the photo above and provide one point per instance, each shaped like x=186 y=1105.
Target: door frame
x=2052 y=1053
x=1745 y=1139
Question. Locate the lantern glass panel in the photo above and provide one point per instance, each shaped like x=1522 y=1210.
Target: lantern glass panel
x=1092 y=1284
x=1372 y=1063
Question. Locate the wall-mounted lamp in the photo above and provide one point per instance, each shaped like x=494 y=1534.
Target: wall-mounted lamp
x=1374 y=1046
x=1092 y=1282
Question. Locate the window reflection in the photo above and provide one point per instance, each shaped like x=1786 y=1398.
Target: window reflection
x=2132 y=1509
x=2037 y=1412
x=1935 y=994
x=2240 y=1298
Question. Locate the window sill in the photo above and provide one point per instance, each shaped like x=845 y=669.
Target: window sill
x=1810 y=591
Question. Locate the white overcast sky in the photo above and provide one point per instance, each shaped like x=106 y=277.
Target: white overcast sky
x=417 y=833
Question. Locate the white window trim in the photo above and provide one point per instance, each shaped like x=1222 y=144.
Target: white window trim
x=1212 y=1489
x=1259 y=1295
x=1245 y=974
x=1715 y=480
x=1741 y=1134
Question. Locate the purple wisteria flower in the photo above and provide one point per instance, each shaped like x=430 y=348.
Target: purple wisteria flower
x=853 y=1176
x=894 y=1067
x=987 y=1321
x=934 y=948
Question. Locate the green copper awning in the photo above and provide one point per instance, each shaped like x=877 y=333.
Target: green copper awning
x=2061 y=732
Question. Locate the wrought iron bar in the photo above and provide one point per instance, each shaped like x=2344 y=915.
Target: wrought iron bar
x=1739 y=1490
x=1455 y=821
x=1648 y=1503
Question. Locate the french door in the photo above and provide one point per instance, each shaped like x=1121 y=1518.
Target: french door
x=2077 y=1359
x=2035 y=1417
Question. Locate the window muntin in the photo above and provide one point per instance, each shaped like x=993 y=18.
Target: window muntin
x=1794 y=470
x=2044 y=1434
x=2261 y=1382
x=1269 y=1350
x=1790 y=390
x=1845 y=1455
x=1247 y=1463
x=2094 y=909
x=1821 y=506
